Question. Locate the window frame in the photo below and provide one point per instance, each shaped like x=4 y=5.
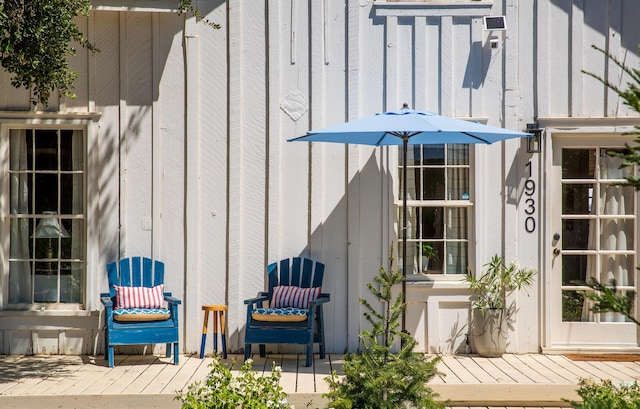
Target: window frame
x=445 y=203
x=84 y=125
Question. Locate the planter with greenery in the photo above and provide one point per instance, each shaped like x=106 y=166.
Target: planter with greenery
x=377 y=378
x=490 y=308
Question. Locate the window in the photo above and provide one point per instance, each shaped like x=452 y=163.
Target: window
x=438 y=208
x=46 y=217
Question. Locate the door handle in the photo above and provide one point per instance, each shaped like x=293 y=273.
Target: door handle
x=556 y=251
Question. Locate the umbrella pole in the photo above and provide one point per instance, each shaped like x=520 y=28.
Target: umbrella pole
x=405 y=143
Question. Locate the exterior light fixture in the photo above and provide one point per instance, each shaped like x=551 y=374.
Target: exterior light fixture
x=534 y=142
x=494 y=23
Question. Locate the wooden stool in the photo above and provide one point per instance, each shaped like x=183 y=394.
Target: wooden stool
x=218 y=311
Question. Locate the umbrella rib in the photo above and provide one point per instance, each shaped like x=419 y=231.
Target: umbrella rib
x=477 y=137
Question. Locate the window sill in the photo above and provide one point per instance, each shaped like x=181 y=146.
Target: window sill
x=48 y=313
x=468 y=8
x=437 y=282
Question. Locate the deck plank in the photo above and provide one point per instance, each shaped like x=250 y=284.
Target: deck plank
x=289 y=375
x=306 y=382
x=512 y=372
x=322 y=369
x=63 y=367
x=526 y=365
x=462 y=371
x=183 y=374
x=593 y=371
x=493 y=370
x=560 y=370
x=479 y=371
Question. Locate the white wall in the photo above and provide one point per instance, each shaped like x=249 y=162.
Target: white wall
x=193 y=166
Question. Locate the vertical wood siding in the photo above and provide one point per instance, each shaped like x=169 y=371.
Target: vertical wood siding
x=193 y=167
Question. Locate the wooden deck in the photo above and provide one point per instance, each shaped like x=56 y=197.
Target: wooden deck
x=513 y=381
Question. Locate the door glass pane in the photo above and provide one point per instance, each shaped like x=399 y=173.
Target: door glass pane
x=575 y=234
x=573 y=305
x=578 y=163
x=618 y=267
x=616 y=234
x=616 y=200
x=577 y=198
x=610 y=165
x=574 y=268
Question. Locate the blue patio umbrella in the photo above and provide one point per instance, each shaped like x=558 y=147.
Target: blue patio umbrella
x=409 y=127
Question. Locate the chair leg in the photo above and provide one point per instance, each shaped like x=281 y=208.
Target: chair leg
x=110 y=356
x=263 y=350
x=175 y=353
x=247 y=351
x=168 y=351
x=309 y=355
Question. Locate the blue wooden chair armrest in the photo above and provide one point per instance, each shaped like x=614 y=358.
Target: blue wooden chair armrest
x=262 y=298
x=324 y=298
x=106 y=300
x=171 y=300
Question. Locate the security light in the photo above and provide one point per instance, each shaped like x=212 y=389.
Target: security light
x=494 y=23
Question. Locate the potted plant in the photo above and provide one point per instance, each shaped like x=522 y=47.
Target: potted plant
x=428 y=253
x=490 y=312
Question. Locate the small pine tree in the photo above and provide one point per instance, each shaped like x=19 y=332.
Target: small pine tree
x=377 y=378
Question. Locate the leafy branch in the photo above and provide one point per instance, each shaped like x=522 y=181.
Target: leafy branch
x=36 y=36
x=187 y=7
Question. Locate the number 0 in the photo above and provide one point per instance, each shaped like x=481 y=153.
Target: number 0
x=530 y=224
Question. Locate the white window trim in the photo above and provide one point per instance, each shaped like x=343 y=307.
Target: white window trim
x=30 y=120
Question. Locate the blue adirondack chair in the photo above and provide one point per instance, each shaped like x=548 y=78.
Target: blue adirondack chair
x=268 y=325
x=137 y=326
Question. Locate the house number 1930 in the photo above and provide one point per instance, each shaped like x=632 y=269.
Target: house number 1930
x=530 y=202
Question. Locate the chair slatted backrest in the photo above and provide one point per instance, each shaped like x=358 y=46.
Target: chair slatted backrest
x=135 y=272
x=298 y=272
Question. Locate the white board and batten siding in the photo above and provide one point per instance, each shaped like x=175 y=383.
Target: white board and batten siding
x=190 y=164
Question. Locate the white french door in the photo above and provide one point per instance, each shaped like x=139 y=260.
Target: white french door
x=594 y=234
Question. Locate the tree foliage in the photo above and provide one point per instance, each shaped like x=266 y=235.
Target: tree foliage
x=631 y=98
x=605 y=297
x=36 y=38
x=377 y=378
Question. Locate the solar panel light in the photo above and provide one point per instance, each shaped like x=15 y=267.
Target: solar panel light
x=494 y=23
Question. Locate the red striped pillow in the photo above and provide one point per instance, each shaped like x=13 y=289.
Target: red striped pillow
x=291 y=296
x=139 y=297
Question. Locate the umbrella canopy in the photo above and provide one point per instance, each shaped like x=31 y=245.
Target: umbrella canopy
x=417 y=127
x=409 y=127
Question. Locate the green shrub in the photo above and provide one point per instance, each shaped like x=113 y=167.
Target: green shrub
x=246 y=390
x=376 y=378
x=606 y=395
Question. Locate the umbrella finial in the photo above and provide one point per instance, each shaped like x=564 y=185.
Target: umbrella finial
x=405 y=106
